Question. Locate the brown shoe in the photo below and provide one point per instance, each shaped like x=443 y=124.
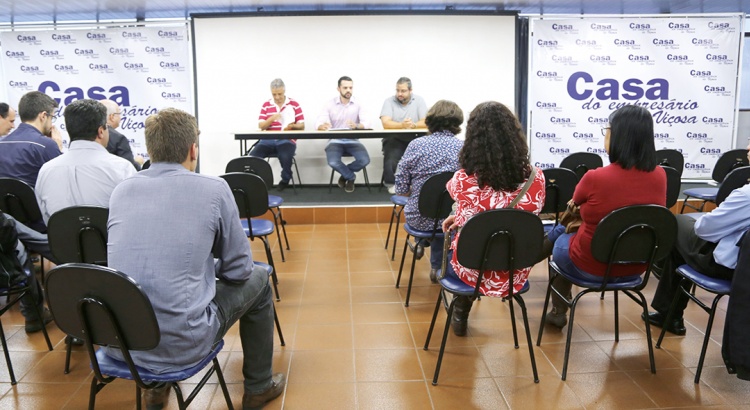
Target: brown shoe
x=156 y=399
x=256 y=401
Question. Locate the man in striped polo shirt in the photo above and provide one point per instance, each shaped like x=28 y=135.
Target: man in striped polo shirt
x=279 y=114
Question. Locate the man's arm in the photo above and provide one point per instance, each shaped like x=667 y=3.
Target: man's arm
x=299 y=119
x=231 y=246
x=389 y=124
x=122 y=150
x=725 y=220
x=421 y=113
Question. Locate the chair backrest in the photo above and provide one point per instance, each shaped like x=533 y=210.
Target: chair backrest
x=634 y=234
x=18 y=200
x=581 y=162
x=500 y=239
x=146 y=165
x=96 y=303
x=79 y=234
x=737 y=178
x=671 y=158
x=727 y=162
x=250 y=193
x=673 y=185
x=560 y=185
x=434 y=200
x=252 y=165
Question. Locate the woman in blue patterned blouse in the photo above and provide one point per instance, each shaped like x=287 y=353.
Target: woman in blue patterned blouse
x=424 y=157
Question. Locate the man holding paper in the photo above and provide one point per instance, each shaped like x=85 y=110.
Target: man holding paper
x=279 y=114
x=340 y=113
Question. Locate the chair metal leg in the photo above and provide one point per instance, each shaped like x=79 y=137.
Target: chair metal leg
x=330 y=183
x=706 y=338
x=223 y=384
x=278 y=326
x=544 y=311
x=270 y=262
x=617 y=318
x=390 y=226
x=684 y=202
x=367 y=179
x=411 y=273
x=283 y=228
x=570 y=334
x=513 y=323
x=95 y=389
x=278 y=236
x=434 y=317
x=528 y=335
x=395 y=235
x=68 y=349
x=644 y=304
x=178 y=392
x=7 y=356
x=442 y=343
x=299 y=179
x=403 y=257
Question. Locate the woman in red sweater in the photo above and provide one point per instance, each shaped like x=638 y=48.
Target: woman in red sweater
x=631 y=178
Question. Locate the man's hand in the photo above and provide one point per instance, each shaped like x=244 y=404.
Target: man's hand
x=351 y=124
x=449 y=223
x=139 y=159
x=290 y=126
x=275 y=117
x=324 y=127
x=407 y=123
x=55 y=135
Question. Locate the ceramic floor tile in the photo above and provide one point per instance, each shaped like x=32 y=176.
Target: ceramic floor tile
x=392 y=395
x=458 y=363
x=378 y=313
x=322 y=396
x=473 y=393
x=675 y=388
x=522 y=393
x=387 y=365
x=609 y=390
x=331 y=366
x=323 y=337
x=382 y=336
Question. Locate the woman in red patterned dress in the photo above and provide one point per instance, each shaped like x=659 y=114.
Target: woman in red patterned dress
x=494 y=168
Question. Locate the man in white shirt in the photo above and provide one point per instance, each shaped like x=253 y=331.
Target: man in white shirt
x=87 y=174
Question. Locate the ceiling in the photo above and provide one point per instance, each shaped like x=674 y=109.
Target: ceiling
x=23 y=11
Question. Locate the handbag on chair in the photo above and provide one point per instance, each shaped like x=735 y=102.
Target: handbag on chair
x=571 y=218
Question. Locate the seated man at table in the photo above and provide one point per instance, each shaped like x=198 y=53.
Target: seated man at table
x=166 y=225
x=402 y=111
x=277 y=114
x=708 y=245
x=344 y=112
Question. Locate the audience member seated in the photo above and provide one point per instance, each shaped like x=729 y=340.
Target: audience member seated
x=402 y=111
x=631 y=178
x=708 y=245
x=7 y=120
x=118 y=144
x=344 y=112
x=166 y=226
x=494 y=168
x=86 y=174
x=277 y=114
x=423 y=158
x=34 y=142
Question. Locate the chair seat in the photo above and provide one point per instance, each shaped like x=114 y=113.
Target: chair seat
x=274 y=201
x=268 y=268
x=456 y=286
x=713 y=285
x=628 y=284
x=114 y=367
x=706 y=194
x=421 y=234
x=261 y=227
x=695 y=215
x=399 y=200
x=548 y=227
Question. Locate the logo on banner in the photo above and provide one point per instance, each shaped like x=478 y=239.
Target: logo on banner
x=626 y=44
x=159 y=51
x=99 y=37
x=562 y=122
x=134 y=35
x=173 y=97
x=641 y=59
x=548 y=106
x=597 y=151
x=716 y=90
x=171 y=35
x=603 y=28
x=721 y=26
x=719 y=59
x=63 y=38
x=20 y=85
x=702 y=137
x=100 y=68
x=138 y=67
x=681 y=59
x=547 y=136
x=716 y=122
x=65 y=68
x=559 y=152
x=17 y=55
x=159 y=81
x=549 y=44
x=602 y=59
x=642 y=28
x=666 y=43
x=681 y=27
x=698 y=168
x=584 y=136
x=118 y=93
x=121 y=52
x=609 y=88
x=544 y=165
x=581 y=42
x=600 y=121
x=52 y=54
x=32 y=69
x=29 y=40
x=711 y=152
x=703 y=74
x=564 y=60
x=564 y=28
x=663 y=137
x=704 y=42
x=86 y=52
x=171 y=65
x=549 y=75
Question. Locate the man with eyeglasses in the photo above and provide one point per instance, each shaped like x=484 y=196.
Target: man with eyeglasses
x=118 y=144
x=34 y=142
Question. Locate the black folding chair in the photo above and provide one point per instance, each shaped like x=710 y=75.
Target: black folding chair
x=581 y=162
x=673 y=185
x=18 y=200
x=434 y=203
x=638 y=234
x=500 y=239
x=671 y=158
x=105 y=307
x=560 y=183
x=295 y=181
x=728 y=162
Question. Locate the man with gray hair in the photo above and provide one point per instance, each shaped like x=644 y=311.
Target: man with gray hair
x=402 y=111
x=280 y=113
x=118 y=144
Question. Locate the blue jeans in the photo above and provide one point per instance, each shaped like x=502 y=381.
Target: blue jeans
x=282 y=149
x=393 y=150
x=249 y=302
x=436 y=253
x=334 y=152
x=36 y=242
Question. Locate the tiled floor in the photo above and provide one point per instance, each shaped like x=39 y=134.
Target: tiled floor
x=351 y=344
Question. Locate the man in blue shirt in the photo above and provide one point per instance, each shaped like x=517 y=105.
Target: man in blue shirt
x=34 y=142
x=166 y=225
x=708 y=245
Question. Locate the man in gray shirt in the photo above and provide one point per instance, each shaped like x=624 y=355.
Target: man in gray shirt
x=402 y=111
x=166 y=226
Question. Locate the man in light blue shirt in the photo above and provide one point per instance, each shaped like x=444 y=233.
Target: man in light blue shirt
x=344 y=112
x=708 y=245
x=166 y=225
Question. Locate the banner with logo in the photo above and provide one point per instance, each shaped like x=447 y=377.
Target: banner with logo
x=684 y=70
x=143 y=69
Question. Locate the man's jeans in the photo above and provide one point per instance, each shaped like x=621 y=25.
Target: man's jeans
x=334 y=152
x=37 y=242
x=249 y=302
x=393 y=150
x=284 y=150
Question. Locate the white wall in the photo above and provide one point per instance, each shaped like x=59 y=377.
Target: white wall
x=467 y=59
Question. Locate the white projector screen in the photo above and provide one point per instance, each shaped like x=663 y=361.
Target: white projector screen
x=463 y=58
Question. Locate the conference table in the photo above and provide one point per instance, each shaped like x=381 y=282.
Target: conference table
x=244 y=137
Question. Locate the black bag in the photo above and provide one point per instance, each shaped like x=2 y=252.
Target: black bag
x=11 y=271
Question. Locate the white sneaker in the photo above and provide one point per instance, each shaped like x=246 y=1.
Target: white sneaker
x=392 y=189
